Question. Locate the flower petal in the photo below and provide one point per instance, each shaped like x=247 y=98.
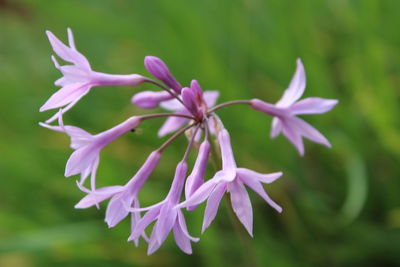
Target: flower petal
x=166 y=220
x=66 y=95
x=81 y=159
x=313 y=105
x=147 y=219
x=199 y=195
x=212 y=205
x=293 y=136
x=98 y=196
x=296 y=87
x=259 y=189
x=309 y=132
x=276 y=128
x=210 y=97
x=172 y=124
x=182 y=240
x=241 y=204
x=262 y=177
x=116 y=211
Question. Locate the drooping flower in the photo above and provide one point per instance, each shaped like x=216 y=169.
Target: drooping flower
x=78 y=78
x=79 y=139
x=232 y=180
x=285 y=112
x=88 y=153
x=167 y=216
x=122 y=195
x=196 y=99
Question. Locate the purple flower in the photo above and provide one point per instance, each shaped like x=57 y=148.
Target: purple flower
x=88 y=153
x=122 y=195
x=232 y=179
x=198 y=101
x=78 y=78
x=168 y=217
x=159 y=69
x=79 y=139
x=286 y=109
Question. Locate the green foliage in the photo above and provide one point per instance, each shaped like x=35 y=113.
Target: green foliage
x=341 y=206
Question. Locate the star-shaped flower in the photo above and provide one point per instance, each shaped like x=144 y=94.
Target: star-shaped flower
x=285 y=112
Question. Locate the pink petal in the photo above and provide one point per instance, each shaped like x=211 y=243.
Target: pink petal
x=313 y=105
x=309 y=132
x=296 y=87
x=166 y=220
x=213 y=204
x=98 y=196
x=276 y=128
x=181 y=240
x=172 y=124
x=259 y=189
x=147 y=219
x=210 y=97
x=150 y=99
x=172 y=105
x=66 y=95
x=199 y=195
x=116 y=211
x=262 y=177
x=81 y=159
x=241 y=204
x=294 y=137
x=182 y=224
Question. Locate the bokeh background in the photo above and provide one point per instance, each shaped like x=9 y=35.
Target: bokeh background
x=341 y=205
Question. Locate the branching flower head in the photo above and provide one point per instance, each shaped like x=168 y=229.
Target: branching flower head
x=191 y=113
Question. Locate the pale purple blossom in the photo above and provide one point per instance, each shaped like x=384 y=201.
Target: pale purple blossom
x=122 y=195
x=232 y=179
x=191 y=113
x=78 y=78
x=168 y=217
x=85 y=158
x=285 y=112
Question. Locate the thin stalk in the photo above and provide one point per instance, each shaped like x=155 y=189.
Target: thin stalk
x=172 y=93
x=159 y=115
x=176 y=135
x=229 y=103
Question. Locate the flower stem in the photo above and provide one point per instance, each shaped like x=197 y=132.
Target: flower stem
x=229 y=103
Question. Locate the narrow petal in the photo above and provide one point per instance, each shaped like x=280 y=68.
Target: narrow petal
x=308 y=131
x=262 y=177
x=182 y=224
x=199 y=195
x=210 y=97
x=259 y=189
x=81 y=159
x=181 y=240
x=154 y=245
x=172 y=105
x=98 y=196
x=171 y=125
x=66 y=95
x=166 y=220
x=276 y=128
x=135 y=218
x=212 y=205
x=313 y=105
x=150 y=99
x=294 y=137
x=241 y=205
x=147 y=219
x=116 y=211
x=296 y=87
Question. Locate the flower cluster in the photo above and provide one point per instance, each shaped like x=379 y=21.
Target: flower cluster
x=192 y=113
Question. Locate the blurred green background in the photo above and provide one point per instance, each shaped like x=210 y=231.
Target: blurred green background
x=341 y=205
